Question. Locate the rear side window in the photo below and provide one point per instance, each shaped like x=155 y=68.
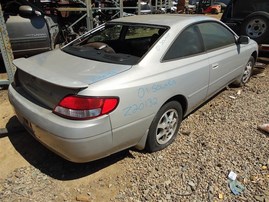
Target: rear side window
x=215 y=35
x=188 y=43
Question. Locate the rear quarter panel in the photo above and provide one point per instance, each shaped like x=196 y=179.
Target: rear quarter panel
x=143 y=90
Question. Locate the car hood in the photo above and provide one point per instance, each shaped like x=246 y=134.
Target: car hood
x=63 y=69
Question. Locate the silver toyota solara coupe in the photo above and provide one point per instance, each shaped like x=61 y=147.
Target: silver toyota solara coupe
x=129 y=82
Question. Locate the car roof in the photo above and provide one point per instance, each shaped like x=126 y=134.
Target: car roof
x=170 y=20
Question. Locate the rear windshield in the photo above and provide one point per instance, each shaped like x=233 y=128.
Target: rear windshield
x=242 y=8
x=116 y=43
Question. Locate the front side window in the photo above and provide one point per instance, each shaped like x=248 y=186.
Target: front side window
x=215 y=35
x=188 y=43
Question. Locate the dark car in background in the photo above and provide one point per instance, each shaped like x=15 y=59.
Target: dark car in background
x=249 y=18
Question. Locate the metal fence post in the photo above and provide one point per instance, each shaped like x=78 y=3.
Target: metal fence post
x=89 y=15
x=121 y=8
x=6 y=50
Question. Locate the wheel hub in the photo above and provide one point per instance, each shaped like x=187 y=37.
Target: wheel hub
x=256 y=28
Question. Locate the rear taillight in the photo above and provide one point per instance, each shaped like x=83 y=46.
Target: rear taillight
x=81 y=108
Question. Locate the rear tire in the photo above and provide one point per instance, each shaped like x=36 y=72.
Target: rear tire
x=164 y=127
x=256 y=26
x=247 y=73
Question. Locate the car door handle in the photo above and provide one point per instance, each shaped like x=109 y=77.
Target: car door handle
x=215 y=66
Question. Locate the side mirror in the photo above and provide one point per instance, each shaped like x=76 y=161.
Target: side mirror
x=243 y=40
x=28 y=11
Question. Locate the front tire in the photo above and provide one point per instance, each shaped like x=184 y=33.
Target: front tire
x=247 y=73
x=164 y=127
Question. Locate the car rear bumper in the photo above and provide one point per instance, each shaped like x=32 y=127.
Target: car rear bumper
x=76 y=141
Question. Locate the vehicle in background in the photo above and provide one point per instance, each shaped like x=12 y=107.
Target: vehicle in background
x=149 y=7
x=28 y=29
x=193 y=6
x=145 y=8
x=37 y=26
x=129 y=82
x=222 y=5
x=249 y=18
x=208 y=6
x=34 y=28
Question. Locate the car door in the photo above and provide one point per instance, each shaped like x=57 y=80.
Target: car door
x=33 y=37
x=223 y=54
x=188 y=58
x=28 y=35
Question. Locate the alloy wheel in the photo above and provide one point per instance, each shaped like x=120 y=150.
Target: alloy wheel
x=247 y=72
x=167 y=126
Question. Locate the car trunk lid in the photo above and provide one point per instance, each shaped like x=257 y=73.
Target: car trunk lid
x=49 y=77
x=66 y=70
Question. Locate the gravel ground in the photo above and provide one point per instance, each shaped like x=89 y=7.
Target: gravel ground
x=219 y=137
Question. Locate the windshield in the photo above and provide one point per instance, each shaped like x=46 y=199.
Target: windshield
x=116 y=43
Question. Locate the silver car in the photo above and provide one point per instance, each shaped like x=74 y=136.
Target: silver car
x=127 y=83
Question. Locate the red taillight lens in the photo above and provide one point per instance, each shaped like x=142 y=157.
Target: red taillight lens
x=79 y=107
